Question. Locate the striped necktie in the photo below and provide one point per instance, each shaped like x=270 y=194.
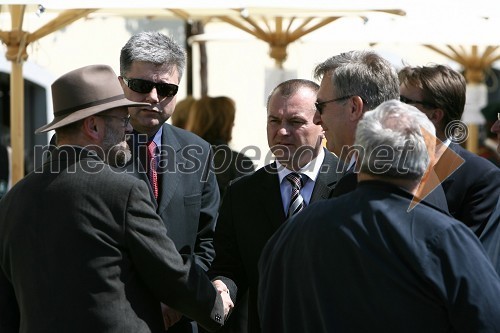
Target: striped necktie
x=296 y=200
x=152 y=173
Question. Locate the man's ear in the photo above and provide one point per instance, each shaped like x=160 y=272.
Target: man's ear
x=92 y=128
x=437 y=116
x=357 y=106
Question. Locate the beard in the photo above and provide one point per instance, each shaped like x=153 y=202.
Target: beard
x=116 y=149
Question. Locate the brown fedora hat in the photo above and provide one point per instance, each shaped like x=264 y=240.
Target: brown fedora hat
x=84 y=92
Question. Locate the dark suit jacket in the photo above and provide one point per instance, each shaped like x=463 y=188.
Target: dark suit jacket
x=251 y=211
x=472 y=190
x=230 y=165
x=362 y=263
x=82 y=250
x=490 y=237
x=189 y=198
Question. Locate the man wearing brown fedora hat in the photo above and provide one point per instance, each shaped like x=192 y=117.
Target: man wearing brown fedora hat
x=81 y=246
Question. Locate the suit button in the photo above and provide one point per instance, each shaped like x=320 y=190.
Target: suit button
x=218 y=317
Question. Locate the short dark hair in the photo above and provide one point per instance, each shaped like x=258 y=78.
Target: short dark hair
x=289 y=87
x=441 y=86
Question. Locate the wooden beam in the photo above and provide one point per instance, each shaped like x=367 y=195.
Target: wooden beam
x=15 y=54
x=264 y=35
x=180 y=13
x=17 y=16
x=279 y=35
x=65 y=18
x=299 y=33
x=17 y=121
x=241 y=26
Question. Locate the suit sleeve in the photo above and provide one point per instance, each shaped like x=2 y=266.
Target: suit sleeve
x=210 y=201
x=481 y=200
x=175 y=279
x=227 y=265
x=490 y=238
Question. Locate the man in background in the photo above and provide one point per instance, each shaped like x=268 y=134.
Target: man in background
x=471 y=190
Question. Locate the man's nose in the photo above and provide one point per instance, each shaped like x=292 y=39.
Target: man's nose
x=128 y=128
x=317 y=119
x=153 y=97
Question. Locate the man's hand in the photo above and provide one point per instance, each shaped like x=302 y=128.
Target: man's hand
x=220 y=286
x=224 y=292
x=170 y=316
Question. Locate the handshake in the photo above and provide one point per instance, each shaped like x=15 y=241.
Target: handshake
x=171 y=316
x=226 y=298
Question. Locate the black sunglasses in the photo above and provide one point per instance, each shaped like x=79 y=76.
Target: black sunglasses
x=427 y=105
x=321 y=105
x=145 y=86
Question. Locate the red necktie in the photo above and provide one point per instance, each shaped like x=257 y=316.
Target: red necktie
x=152 y=174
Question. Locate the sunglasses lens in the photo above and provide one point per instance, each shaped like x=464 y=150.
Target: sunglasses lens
x=144 y=87
x=167 y=89
x=140 y=86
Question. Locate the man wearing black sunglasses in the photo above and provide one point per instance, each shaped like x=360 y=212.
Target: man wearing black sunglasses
x=181 y=180
x=473 y=189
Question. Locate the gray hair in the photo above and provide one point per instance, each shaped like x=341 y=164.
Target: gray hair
x=361 y=73
x=155 y=48
x=392 y=139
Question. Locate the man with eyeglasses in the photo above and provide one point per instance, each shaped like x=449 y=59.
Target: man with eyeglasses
x=473 y=189
x=81 y=246
x=179 y=169
x=351 y=84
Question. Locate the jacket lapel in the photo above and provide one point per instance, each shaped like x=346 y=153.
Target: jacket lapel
x=327 y=178
x=170 y=162
x=270 y=198
x=136 y=167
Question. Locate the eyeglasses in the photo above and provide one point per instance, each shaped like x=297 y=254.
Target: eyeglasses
x=145 y=86
x=427 y=105
x=125 y=120
x=321 y=105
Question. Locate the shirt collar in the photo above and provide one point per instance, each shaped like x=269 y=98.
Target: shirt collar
x=157 y=137
x=311 y=169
